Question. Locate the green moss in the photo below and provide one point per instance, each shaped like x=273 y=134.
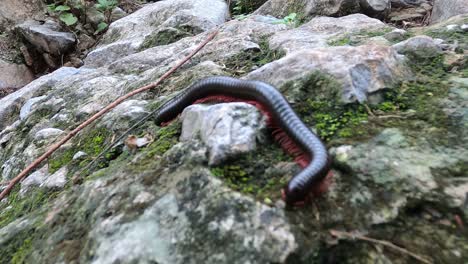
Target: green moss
x=18 y=249
x=22 y=252
x=451 y=36
x=318 y=104
x=246 y=61
x=343 y=41
x=168 y=36
x=91 y=143
x=21 y=206
x=387 y=106
x=358 y=38
x=165 y=138
x=254 y=173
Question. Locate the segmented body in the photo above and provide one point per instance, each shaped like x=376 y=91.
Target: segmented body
x=289 y=130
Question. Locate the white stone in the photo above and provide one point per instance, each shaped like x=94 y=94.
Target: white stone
x=26 y=109
x=56 y=180
x=226 y=129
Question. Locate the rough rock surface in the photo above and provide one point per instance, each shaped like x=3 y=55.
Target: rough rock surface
x=14 y=75
x=376 y=8
x=323 y=31
x=47 y=37
x=444 y=9
x=419 y=47
x=226 y=129
x=361 y=70
x=129 y=34
x=399 y=164
x=14 y=11
x=307 y=8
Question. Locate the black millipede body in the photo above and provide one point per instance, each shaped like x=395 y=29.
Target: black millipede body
x=280 y=111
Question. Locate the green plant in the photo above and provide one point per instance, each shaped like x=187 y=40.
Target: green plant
x=291 y=20
x=72 y=12
x=106 y=7
x=64 y=13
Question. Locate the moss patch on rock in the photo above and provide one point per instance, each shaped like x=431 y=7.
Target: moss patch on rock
x=255 y=173
x=358 y=38
x=409 y=105
x=92 y=143
x=246 y=61
x=18 y=249
x=18 y=206
x=168 y=36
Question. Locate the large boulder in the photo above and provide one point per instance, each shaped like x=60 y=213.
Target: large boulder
x=324 y=31
x=361 y=70
x=161 y=22
x=444 y=9
x=306 y=8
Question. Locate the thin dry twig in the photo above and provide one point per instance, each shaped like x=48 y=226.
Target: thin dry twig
x=343 y=234
x=106 y=109
x=369 y=111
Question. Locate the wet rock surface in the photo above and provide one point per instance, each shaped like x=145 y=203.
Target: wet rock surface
x=389 y=103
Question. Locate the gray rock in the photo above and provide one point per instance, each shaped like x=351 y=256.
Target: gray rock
x=79 y=155
x=308 y=8
x=170 y=227
x=419 y=47
x=56 y=180
x=126 y=113
x=26 y=108
x=127 y=35
x=41 y=178
x=14 y=75
x=35 y=179
x=226 y=129
x=234 y=37
x=11 y=104
x=376 y=8
x=117 y=13
x=444 y=9
x=396 y=35
x=405 y=170
x=47 y=37
x=16 y=11
x=47 y=135
x=321 y=30
x=361 y=70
